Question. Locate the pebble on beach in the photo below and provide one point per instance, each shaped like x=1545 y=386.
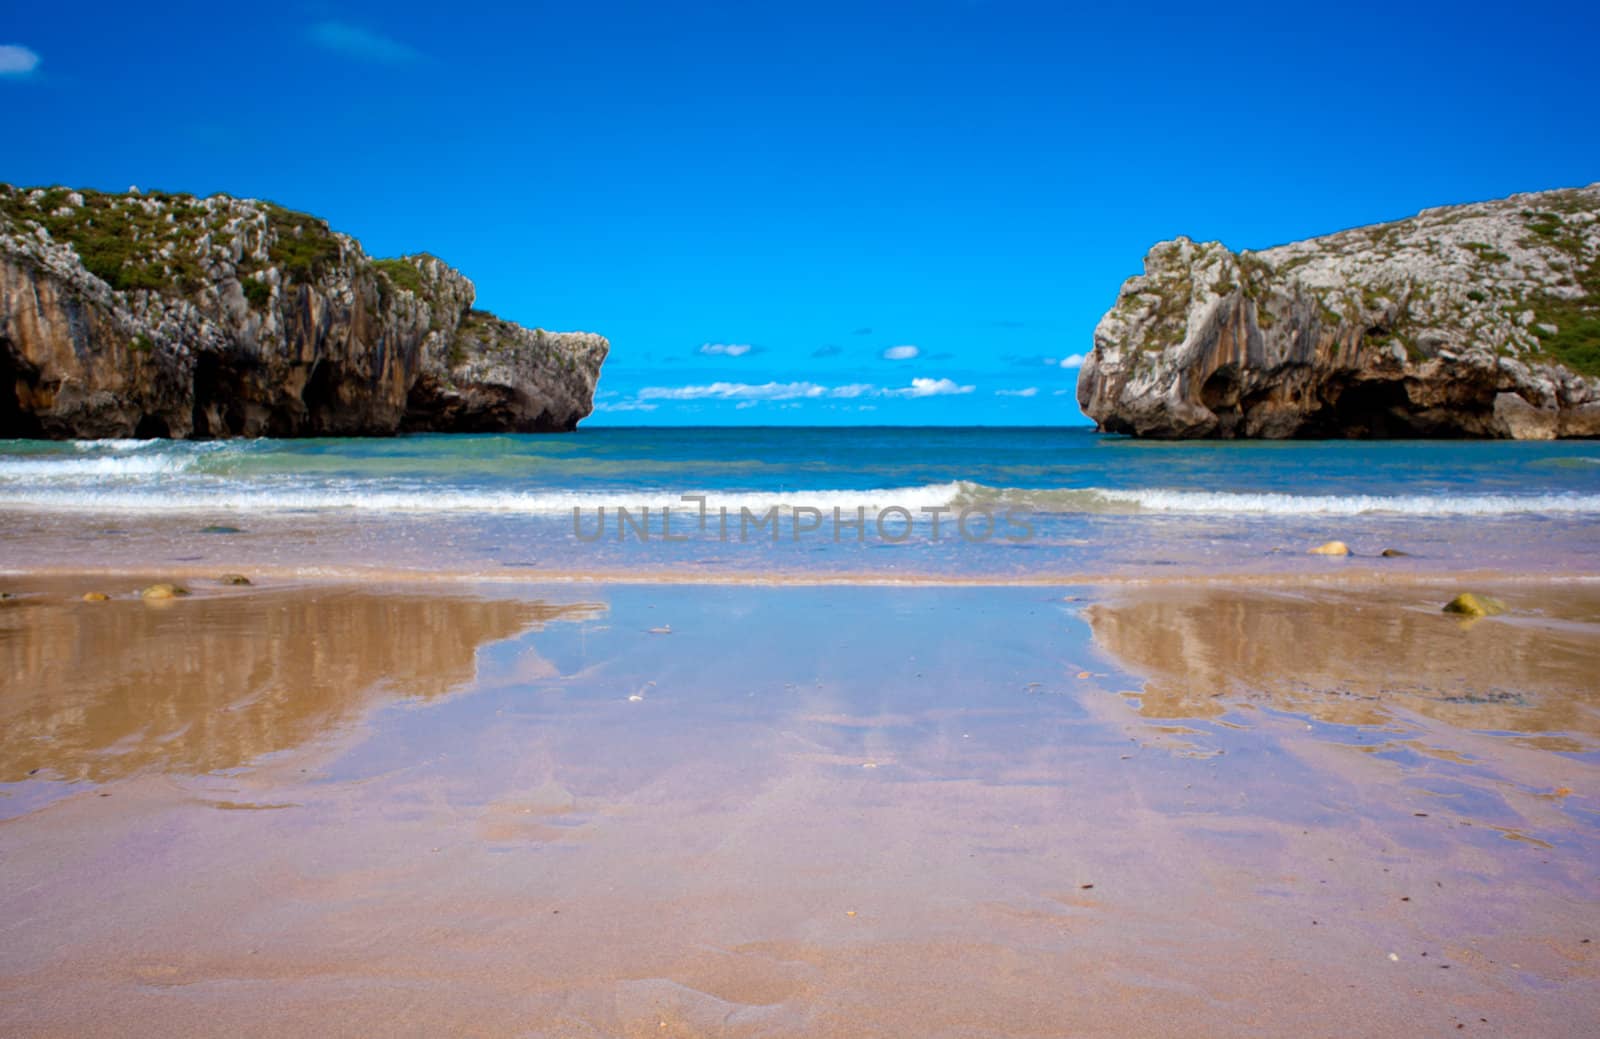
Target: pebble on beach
x=1470 y=605
x=161 y=591
x=233 y=579
x=1331 y=548
x=95 y=597
x=1393 y=553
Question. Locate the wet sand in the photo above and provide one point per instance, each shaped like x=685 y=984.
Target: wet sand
x=1066 y=549
x=625 y=810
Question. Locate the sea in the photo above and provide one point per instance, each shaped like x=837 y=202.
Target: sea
x=882 y=504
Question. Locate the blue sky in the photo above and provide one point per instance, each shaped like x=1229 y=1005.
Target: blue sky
x=823 y=213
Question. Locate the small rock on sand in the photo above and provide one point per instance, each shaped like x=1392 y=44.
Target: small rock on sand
x=1331 y=548
x=95 y=597
x=220 y=528
x=1469 y=605
x=235 y=579
x=163 y=590
x=1393 y=553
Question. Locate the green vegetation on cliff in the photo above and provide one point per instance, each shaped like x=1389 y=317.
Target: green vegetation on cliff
x=158 y=242
x=1575 y=339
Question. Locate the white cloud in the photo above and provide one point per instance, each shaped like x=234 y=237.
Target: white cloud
x=623 y=405
x=1072 y=361
x=929 y=388
x=725 y=349
x=734 y=391
x=900 y=353
x=1030 y=391
x=363 y=44
x=796 y=391
x=17 y=60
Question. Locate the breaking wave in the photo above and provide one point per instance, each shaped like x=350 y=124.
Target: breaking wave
x=150 y=483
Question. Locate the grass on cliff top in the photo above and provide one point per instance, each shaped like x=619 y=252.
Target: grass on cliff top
x=121 y=242
x=117 y=239
x=304 y=246
x=401 y=273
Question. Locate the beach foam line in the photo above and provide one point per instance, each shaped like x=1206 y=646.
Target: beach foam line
x=1272 y=503
x=233 y=496
x=147 y=483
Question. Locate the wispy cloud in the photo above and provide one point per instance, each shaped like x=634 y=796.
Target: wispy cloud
x=17 y=61
x=725 y=349
x=830 y=350
x=789 y=391
x=1028 y=391
x=1072 y=361
x=362 y=44
x=862 y=332
x=901 y=353
x=624 y=405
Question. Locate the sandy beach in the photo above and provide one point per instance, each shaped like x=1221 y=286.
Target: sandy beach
x=304 y=808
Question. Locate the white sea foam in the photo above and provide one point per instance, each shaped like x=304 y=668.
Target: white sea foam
x=118 y=445
x=61 y=492
x=224 y=496
x=1275 y=504
x=44 y=469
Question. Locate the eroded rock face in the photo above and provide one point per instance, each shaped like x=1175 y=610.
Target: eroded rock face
x=168 y=315
x=1478 y=320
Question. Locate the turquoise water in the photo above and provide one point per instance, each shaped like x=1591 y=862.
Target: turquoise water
x=1062 y=498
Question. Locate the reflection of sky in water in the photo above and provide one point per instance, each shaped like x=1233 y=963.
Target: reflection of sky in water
x=978 y=773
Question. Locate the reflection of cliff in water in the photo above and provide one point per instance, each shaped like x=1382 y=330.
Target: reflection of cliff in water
x=99 y=691
x=1351 y=658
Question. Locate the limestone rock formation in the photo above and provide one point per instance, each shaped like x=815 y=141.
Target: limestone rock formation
x=170 y=315
x=1477 y=320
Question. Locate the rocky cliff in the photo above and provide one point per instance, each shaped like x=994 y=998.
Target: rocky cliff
x=175 y=316
x=1477 y=320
